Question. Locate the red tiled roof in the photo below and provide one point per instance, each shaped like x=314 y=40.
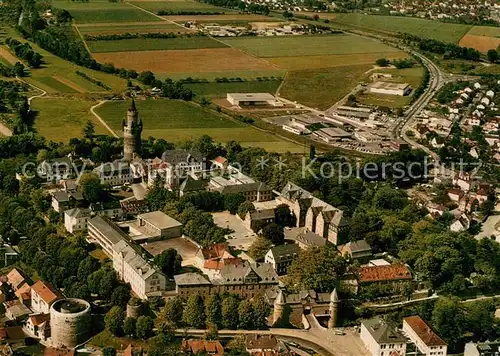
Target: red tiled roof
x=39 y=319
x=15 y=278
x=46 y=291
x=424 y=331
x=196 y=346
x=24 y=292
x=220 y=160
x=219 y=264
x=215 y=251
x=384 y=273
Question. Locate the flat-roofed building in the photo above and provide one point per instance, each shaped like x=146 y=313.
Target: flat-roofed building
x=253 y=99
x=159 y=224
x=427 y=341
x=331 y=134
x=390 y=88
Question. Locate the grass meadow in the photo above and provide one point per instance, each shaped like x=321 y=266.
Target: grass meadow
x=153 y=44
x=178 y=121
x=155 y=6
x=137 y=27
x=60 y=119
x=130 y=14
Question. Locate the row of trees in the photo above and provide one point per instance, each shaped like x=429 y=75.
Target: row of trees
x=449 y=50
x=25 y=52
x=187 y=12
x=129 y=35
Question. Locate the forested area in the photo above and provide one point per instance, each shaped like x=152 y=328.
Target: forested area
x=448 y=50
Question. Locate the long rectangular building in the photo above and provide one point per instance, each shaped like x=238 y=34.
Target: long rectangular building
x=128 y=261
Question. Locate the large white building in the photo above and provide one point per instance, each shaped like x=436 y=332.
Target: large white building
x=114 y=173
x=128 y=261
x=390 y=88
x=382 y=339
x=253 y=99
x=424 y=338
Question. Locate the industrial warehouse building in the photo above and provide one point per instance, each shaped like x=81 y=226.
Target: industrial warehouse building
x=253 y=99
x=331 y=134
x=390 y=88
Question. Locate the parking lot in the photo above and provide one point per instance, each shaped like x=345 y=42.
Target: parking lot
x=242 y=237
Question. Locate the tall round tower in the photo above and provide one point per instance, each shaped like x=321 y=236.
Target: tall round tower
x=279 y=307
x=334 y=306
x=132 y=129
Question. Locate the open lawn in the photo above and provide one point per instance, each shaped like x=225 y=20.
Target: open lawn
x=55 y=84
x=135 y=27
x=130 y=14
x=219 y=90
x=178 y=121
x=195 y=61
x=336 y=60
x=487 y=31
x=294 y=46
x=60 y=119
x=446 y=32
x=152 y=44
x=7 y=57
x=155 y=6
x=412 y=76
x=319 y=88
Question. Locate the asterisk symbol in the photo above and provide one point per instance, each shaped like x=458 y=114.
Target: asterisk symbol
x=262 y=162
x=280 y=163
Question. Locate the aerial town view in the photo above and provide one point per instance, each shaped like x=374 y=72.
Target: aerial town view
x=250 y=177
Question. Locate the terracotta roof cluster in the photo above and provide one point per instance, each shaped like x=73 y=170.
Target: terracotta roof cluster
x=392 y=272
x=261 y=342
x=24 y=293
x=15 y=278
x=197 y=346
x=219 y=264
x=39 y=319
x=424 y=331
x=215 y=251
x=46 y=291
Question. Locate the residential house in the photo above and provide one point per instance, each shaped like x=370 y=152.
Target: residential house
x=382 y=339
x=191 y=185
x=212 y=259
x=63 y=200
x=464 y=181
x=282 y=256
x=189 y=283
x=424 y=337
x=56 y=169
x=196 y=347
x=43 y=295
x=38 y=325
x=455 y=194
x=487 y=348
x=384 y=273
x=76 y=219
x=356 y=250
x=179 y=164
x=23 y=294
x=261 y=344
x=15 y=310
x=314 y=214
x=115 y=173
x=304 y=238
x=15 y=279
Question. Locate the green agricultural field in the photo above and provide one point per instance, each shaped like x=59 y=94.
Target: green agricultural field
x=319 y=88
x=179 y=121
x=485 y=31
x=55 y=84
x=412 y=76
x=140 y=27
x=219 y=90
x=89 y=5
x=61 y=119
x=155 y=6
x=211 y=76
x=308 y=45
x=129 y=14
x=152 y=44
x=446 y=32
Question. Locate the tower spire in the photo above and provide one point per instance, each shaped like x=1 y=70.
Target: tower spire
x=132 y=105
x=132 y=129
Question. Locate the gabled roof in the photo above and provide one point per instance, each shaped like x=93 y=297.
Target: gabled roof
x=39 y=319
x=248 y=273
x=15 y=278
x=174 y=157
x=285 y=251
x=357 y=246
x=260 y=342
x=24 y=292
x=392 y=272
x=191 y=279
x=424 y=331
x=382 y=332
x=46 y=291
x=197 y=346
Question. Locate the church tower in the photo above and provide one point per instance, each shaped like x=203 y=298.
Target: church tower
x=279 y=307
x=334 y=306
x=132 y=129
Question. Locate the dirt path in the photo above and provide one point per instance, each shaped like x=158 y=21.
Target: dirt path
x=69 y=83
x=92 y=110
x=9 y=57
x=81 y=36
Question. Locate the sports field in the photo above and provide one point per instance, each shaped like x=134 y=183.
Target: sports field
x=295 y=46
x=319 y=88
x=179 y=121
x=195 y=61
x=219 y=90
x=152 y=44
x=61 y=119
x=446 y=32
x=482 y=38
x=133 y=27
